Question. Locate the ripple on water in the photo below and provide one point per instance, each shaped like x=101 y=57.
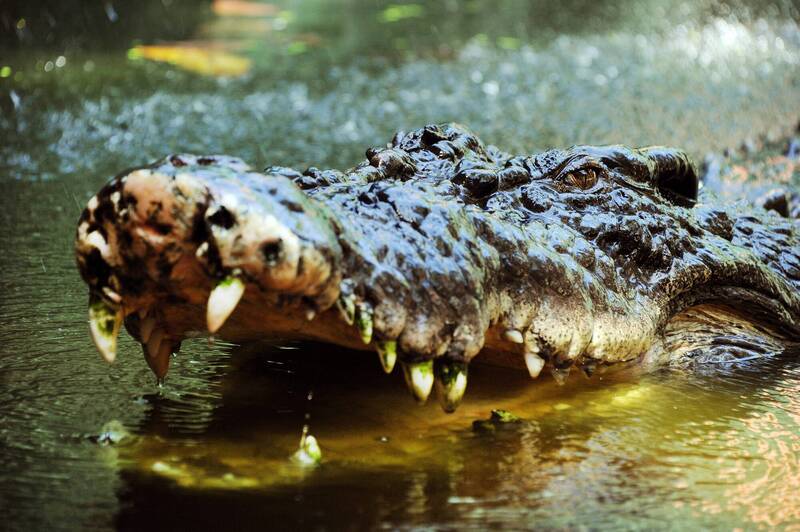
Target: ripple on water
x=700 y=86
x=716 y=449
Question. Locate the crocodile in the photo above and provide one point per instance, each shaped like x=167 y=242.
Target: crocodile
x=438 y=249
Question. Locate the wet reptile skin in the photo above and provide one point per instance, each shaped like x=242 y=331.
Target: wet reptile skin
x=583 y=254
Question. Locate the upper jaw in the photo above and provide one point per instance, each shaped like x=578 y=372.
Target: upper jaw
x=186 y=222
x=174 y=248
x=160 y=242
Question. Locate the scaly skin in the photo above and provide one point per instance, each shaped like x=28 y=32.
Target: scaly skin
x=439 y=248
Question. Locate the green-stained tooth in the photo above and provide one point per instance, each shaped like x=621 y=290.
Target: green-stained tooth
x=451 y=383
x=364 y=323
x=222 y=301
x=387 y=352
x=419 y=378
x=347 y=308
x=104 y=325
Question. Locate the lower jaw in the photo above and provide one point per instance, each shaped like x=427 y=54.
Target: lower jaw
x=257 y=319
x=250 y=324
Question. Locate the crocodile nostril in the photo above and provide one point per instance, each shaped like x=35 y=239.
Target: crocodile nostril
x=223 y=218
x=96 y=268
x=272 y=252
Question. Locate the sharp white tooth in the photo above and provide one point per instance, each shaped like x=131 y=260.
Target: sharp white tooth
x=222 y=301
x=113 y=296
x=451 y=383
x=387 y=353
x=146 y=328
x=310 y=314
x=514 y=336
x=364 y=322
x=534 y=363
x=104 y=325
x=419 y=378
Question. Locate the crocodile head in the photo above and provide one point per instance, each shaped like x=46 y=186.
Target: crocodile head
x=437 y=249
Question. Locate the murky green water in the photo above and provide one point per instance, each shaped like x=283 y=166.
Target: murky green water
x=317 y=82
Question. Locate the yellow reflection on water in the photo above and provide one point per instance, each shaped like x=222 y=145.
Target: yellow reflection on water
x=688 y=448
x=203 y=60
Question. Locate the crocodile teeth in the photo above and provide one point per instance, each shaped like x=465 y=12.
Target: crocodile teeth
x=387 y=353
x=419 y=378
x=202 y=250
x=347 y=308
x=221 y=302
x=364 y=323
x=513 y=336
x=560 y=375
x=113 y=296
x=534 y=363
x=104 y=325
x=146 y=328
x=451 y=383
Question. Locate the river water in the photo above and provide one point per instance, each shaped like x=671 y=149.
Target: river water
x=84 y=94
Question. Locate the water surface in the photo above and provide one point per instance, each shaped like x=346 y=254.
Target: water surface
x=314 y=83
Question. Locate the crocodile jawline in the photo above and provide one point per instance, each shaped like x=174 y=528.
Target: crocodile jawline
x=437 y=248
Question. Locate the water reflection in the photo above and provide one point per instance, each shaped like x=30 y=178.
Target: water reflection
x=198 y=58
x=643 y=448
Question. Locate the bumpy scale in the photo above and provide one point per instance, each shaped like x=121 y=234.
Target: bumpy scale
x=437 y=248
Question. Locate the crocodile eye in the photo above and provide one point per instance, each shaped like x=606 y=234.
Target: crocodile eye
x=584 y=178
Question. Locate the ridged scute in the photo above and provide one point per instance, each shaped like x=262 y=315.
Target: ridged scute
x=462 y=236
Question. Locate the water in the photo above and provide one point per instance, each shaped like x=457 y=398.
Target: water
x=315 y=84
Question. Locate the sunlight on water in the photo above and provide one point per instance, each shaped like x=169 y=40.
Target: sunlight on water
x=641 y=447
